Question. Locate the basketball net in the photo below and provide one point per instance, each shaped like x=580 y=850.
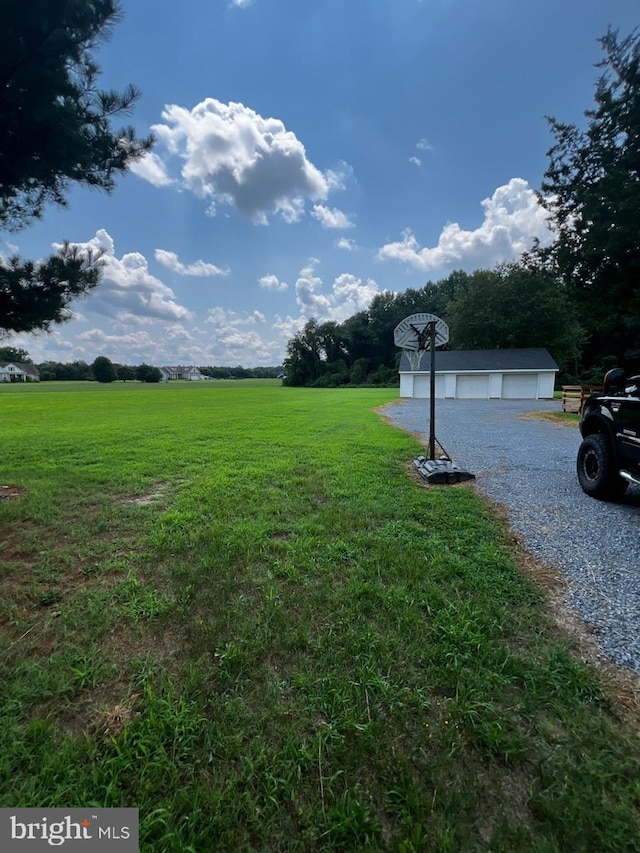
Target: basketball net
x=414 y=357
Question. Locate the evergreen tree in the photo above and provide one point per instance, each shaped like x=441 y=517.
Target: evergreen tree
x=56 y=133
x=35 y=295
x=592 y=191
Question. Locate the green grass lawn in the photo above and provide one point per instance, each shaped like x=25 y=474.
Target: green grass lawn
x=232 y=606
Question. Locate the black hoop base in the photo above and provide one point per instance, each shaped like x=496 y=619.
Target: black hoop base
x=441 y=472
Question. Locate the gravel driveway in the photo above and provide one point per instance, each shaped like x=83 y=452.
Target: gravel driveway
x=528 y=465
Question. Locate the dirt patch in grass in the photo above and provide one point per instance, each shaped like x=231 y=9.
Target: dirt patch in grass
x=511 y=796
x=151 y=497
x=112 y=720
x=106 y=709
x=103 y=712
x=39 y=584
x=13 y=550
x=166 y=648
x=10 y=493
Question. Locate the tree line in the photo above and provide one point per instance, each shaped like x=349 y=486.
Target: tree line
x=240 y=372
x=513 y=305
x=104 y=370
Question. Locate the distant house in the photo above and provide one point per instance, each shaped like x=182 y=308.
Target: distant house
x=181 y=372
x=18 y=371
x=501 y=374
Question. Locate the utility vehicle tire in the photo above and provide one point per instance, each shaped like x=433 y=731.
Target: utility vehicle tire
x=597 y=470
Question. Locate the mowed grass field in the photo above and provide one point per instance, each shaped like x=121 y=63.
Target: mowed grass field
x=232 y=606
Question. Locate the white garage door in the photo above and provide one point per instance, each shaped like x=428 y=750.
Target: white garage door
x=472 y=387
x=520 y=386
x=422 y=386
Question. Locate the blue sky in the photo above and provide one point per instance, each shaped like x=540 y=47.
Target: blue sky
x=309 y=155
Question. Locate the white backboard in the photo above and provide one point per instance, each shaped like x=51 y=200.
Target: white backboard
x=410 y=332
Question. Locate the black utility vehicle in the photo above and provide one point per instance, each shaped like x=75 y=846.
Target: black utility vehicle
x=609 y=456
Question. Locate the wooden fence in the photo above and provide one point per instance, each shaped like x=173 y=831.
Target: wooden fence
x=574 y=396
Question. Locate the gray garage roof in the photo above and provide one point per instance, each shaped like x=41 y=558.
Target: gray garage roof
x=467 y=361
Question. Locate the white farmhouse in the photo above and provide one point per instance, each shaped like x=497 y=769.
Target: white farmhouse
x=181 y=372
x=18 y=371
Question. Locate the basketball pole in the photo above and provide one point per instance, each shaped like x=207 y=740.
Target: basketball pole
x=432 y=391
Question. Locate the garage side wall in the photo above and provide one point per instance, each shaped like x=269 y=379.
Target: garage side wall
x=546 y=384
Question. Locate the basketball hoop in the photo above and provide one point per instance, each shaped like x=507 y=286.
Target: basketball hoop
x=416 y=335
x=415 y=332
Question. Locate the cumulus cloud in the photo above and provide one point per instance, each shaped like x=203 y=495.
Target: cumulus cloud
x=153 y=169
x=338 y=178
x=346 y=243
x=127 y=286
x=272 y=283
x=289 y=326
x=130 y=337
x=512 y=219
x=416 y=161
x=133 y=341
x=236 y=319
x=198 y=268
x=235 y=334
x=331 y=217
x=347 y=296
x=233 y=155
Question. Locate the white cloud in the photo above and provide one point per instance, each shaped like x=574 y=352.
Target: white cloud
x=416 y=161
x=331 y=217
x=240 y=3
x=346 y=243
x=223 y=316
x=512 y=219
x=348 y=295
x=226 y=338
x=133 y=317
x=424 y=145
x=289 y=326
x=337 y=178
x=231 y=332
x=233 y=155
x=198 y=268
x=127 y=286
x=152 y=168
x=272 y=283
x=100 y=340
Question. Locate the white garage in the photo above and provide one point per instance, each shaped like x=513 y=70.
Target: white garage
x=472 y=387
x=422 y=386
x=520 y=386
x=507 y=374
